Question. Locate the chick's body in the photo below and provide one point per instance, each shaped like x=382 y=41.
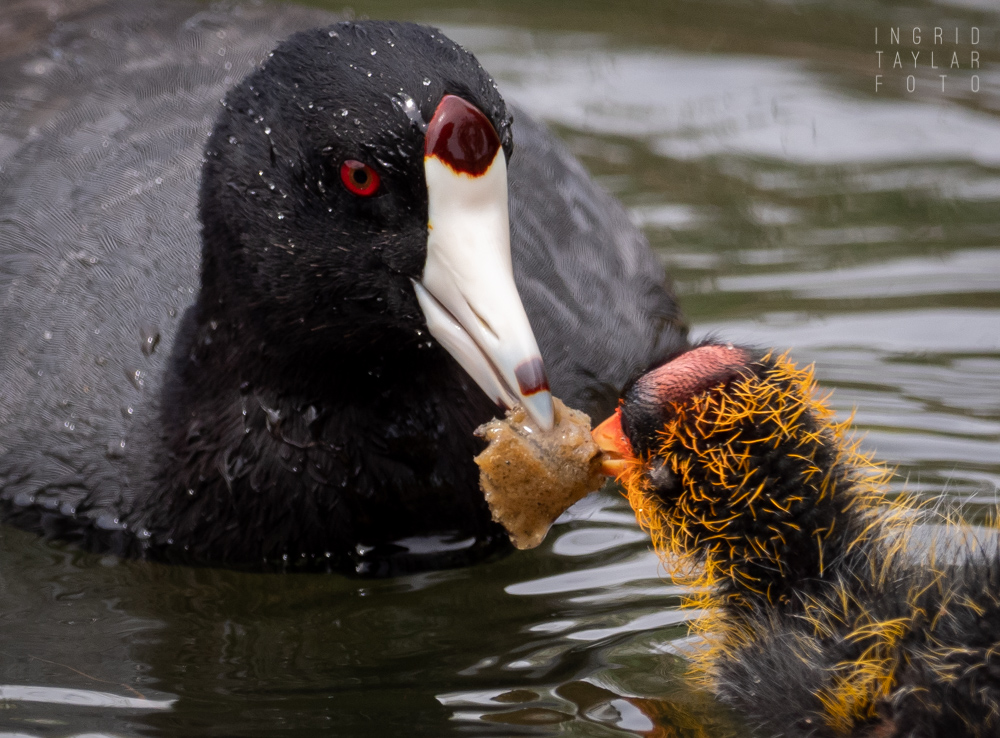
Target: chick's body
x=824 y=622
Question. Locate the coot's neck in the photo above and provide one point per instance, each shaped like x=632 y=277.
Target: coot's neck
x=311 y=456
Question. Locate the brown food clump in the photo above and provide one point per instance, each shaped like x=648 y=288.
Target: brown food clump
x=530 y=477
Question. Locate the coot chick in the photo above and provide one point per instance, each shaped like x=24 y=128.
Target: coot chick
x=823 y=620
x=249 y=352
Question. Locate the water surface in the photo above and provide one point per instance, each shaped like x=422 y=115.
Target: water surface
x=794 y=206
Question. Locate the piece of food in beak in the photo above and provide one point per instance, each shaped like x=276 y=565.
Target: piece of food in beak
x=530 y=476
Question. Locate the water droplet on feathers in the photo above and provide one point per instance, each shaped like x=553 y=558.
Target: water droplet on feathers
x=137 y=377
x=150 y=339
x=116 y=449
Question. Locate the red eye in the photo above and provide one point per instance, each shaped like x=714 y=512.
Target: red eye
x=359 y=178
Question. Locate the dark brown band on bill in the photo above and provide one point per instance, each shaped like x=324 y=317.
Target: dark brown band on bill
x=531 y=377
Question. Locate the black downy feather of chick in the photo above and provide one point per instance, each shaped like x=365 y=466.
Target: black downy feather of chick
x=822 y=619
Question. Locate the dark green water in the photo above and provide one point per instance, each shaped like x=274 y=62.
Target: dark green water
x=794 y=206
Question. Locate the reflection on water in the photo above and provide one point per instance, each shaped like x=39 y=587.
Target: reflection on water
x=78 y=698
x=794 y=207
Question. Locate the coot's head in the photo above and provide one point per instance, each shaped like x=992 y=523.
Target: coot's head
x=652 y=401
x=354 y=197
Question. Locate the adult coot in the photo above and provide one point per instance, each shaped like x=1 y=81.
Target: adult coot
x=821 y=620
x=249 y=351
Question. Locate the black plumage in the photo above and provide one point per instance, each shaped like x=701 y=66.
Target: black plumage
x=249 y=381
